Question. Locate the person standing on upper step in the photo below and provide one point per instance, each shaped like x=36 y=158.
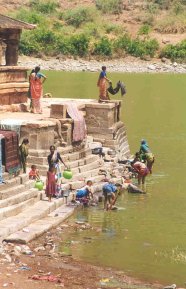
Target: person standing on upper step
x=102 y=84
x=36 y=80
x=53 y=160
x=23 y=153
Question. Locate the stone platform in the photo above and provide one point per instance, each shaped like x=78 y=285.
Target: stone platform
x=25 y=212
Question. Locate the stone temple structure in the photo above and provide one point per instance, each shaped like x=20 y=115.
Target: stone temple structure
x=13 y=79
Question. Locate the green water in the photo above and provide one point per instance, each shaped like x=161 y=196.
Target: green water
x=148 y=238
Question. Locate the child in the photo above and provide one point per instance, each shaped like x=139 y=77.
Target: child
x=85 y=194
x=34 y=173
x=51 y=183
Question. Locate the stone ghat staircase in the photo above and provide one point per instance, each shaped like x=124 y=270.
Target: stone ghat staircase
x=25 y=212
x=83 y=164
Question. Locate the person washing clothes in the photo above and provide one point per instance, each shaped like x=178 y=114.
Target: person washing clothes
x=141 y=170
x=110 y=192
x=146 y=155
x=85 y=194
x=102 y=84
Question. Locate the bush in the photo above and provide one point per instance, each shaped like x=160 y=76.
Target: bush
x=78 y=16
x=113 y=28
x=32 y=17
x=136 y=47
x=175 y=52
x=28 y=45
x=74 y=45
x=110 y=6
x=144 y=29
x=164 y=4
x=45 y=36
x=45 y=7
x=103 y=47
x=79 y=44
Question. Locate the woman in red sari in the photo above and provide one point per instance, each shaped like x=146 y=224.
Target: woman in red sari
x=102 y=84
x=36 y=89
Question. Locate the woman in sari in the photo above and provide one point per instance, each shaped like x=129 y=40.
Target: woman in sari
x=146 y=155
x=102 y=84
x=53 y=160
x=36 y=80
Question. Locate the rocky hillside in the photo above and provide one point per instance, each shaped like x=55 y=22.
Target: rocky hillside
x=103 y=28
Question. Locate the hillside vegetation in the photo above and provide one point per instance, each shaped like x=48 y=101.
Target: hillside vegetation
x=104 y=28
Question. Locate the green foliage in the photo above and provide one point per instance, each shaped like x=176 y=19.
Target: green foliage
x=113 y=28
x=30 y=16
x=136 y=47
x=175 y=52
x=45 y=36
x=79 y=44
x=103 y=47
x=110 y=6
x=28 y=45
x=178 y=8
x=164 y=4
x=78 y=16
x=45 y=7
x=144 y=29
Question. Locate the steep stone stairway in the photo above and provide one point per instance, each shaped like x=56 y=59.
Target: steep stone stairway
x=25 y=213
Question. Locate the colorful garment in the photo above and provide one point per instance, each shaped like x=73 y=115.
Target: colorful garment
x=102 y=84
x=141 y=169
x=11 y=153
x=79 y=127
x=36 y=90
x=51 y=184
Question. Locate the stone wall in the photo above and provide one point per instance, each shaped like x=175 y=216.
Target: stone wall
x=104 y=125
x=13 y=85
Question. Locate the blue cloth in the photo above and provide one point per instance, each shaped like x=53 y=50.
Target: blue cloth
x=40 y=75
x=144 y=148
x=103 y=74
x=109 y=188
x=82 y=193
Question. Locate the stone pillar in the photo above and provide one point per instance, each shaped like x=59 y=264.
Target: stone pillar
x=11 y=54
x=12 y=42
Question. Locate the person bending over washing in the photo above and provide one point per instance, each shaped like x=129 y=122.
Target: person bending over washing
x=110 y=192
x=146 y=155
x=141 y=170
x=85 y=194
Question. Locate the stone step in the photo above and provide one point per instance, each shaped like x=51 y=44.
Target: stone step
x=38 y=211
x=95 y=162
x=17 y=208
x=42 y=226
x=40 y=161
x=69 y=155
x=19 y=198
x=12 y=191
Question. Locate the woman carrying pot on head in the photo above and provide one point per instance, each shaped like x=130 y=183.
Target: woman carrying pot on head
x=53 y=160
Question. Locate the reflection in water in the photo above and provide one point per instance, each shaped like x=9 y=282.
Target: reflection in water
x=154 y=109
